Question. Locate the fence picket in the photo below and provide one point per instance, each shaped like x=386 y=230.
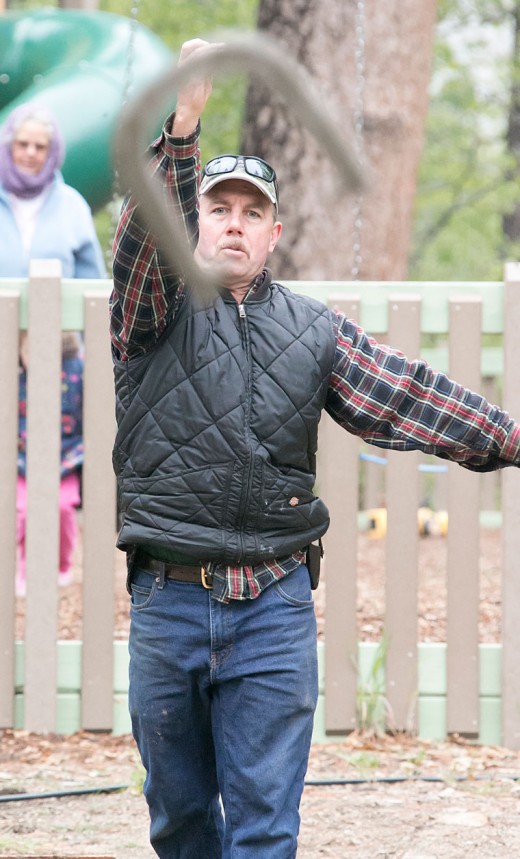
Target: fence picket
x=463 y=549
x=511 y=523
x=43 y=477
x=9 y=324
x=402 y=548
x=340 y=472
x=99 y=520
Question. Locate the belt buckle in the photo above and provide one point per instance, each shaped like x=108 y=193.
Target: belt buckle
x=204 y=578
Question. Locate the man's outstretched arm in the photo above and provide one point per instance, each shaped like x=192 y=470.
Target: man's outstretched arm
x=375 y=392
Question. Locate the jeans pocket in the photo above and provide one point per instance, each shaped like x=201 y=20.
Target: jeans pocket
x=143 y=589
x=295 y=588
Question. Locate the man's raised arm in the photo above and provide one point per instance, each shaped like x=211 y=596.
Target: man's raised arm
x=145 y=293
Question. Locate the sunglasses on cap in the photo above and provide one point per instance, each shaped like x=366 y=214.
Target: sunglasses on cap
x=251 y=165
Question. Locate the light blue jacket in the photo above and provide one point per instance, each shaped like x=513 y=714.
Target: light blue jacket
x=64 y=231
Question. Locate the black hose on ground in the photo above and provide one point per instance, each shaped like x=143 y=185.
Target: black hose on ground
x=18 y=797
x=326 y=782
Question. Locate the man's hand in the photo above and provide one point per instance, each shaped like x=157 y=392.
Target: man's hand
x=192 y=96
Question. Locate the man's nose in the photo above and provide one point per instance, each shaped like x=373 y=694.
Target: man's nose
x=235 y=224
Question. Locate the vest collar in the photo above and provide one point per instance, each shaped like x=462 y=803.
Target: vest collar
x=258 y=289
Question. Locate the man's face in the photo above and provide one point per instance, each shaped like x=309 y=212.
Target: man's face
x=237 y=231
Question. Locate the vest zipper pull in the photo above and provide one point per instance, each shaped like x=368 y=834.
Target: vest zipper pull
x=241 y=311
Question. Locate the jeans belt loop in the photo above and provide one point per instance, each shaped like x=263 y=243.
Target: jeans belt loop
x=161 y=577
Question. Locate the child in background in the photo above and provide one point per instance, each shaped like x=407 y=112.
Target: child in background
x=71 y=455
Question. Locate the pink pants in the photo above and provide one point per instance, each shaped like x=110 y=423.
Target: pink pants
x=69 y=500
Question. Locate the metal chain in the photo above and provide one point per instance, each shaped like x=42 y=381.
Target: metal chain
x=130 y=55
x=359 y=127
x=128 y=83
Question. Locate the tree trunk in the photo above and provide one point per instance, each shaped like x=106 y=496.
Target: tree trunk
x=395 y=48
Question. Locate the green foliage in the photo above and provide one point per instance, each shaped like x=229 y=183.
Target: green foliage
x=176 y=22
x=25 y=6
x=105 y=221
x=418 y=759
x=372 y=705
x=365 y=762
x=180 y=20
x=467 y=179
x=137 y=779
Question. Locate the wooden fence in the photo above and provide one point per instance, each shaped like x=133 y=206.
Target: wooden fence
x=469 y=330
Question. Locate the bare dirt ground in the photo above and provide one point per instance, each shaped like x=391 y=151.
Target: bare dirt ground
x=393 y=796
x=454 y=800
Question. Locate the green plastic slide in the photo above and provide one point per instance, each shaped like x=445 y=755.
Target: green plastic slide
x=82 y=65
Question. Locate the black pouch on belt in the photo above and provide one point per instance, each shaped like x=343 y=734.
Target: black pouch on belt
x=314 y=556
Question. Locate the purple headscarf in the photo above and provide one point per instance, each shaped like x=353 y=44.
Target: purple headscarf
x=14 y=180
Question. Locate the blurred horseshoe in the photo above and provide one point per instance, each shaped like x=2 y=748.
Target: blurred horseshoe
x=251 y=52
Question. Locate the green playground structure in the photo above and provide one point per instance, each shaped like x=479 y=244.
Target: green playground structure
x=83 y=66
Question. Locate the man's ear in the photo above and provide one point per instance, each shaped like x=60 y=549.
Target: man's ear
x=275 y=235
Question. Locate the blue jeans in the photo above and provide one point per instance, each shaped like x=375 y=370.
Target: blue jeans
x=222 y=699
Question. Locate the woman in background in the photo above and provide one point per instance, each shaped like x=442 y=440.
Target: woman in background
x=43 y=218
x=40 y=216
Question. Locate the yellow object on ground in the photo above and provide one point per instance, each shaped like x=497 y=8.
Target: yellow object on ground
x=429 y=522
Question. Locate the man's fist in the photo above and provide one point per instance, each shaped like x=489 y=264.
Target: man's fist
x=194 y=94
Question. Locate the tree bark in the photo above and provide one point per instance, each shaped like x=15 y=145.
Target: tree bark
x=318 y=238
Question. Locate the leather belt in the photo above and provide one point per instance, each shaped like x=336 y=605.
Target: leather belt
x=196 y=574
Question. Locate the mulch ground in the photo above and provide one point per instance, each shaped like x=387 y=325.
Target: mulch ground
x=365 y=797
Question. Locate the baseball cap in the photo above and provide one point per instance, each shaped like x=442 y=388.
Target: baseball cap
x=248 y=168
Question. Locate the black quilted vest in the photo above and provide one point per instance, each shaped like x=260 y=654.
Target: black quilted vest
x=217 y=429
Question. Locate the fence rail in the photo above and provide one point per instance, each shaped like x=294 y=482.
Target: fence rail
x=472 y=329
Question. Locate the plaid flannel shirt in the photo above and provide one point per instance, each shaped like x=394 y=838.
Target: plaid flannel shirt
x=375 y=392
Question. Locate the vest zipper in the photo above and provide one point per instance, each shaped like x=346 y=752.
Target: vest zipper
x=248 y=464
x=244 y=328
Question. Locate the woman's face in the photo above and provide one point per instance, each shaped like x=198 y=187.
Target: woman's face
x=30 y=146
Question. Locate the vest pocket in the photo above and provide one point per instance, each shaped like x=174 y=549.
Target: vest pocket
x=198 y=496
x=288 y=502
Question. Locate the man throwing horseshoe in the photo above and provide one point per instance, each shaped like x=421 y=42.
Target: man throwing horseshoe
x=218 y=402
